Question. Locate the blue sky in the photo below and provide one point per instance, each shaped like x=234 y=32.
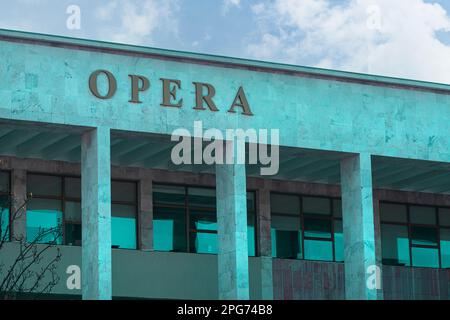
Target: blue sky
x=401 y=38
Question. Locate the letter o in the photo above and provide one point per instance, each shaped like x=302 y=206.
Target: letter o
x=112 y=84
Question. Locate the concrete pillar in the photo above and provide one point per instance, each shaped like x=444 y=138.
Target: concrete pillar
x=19 y=192
x=265 y=243
x=145 y=218
x=232 y=231
x=378 y=253
x=358 y=221
x=96 y=214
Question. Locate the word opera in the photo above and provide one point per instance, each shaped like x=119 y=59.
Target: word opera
x=204 y=92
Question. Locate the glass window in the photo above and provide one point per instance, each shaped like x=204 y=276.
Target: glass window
x=203 y=242
x=315 y=205
x=171 y=212
x=72 y=234
x=285 y=204
x=203 y=220
x=425 y=257
x=317 y=228
x=337 y=208
x=72 y=187
x=42 y=185
x=4 y=217
x=202 y=197
x=445 y=248
x=174 y=195
x=320 y=250
x=422 y=215
x=286 y=237
x=44 y=221
x=393 y=212
x=338 y=241
x=251 y=239
x=395 y=245
x=444 y=217
x=72 y=211
x=423 y=236
x=4 y=182
x=123 y=226
x=169 y=229
x=123 y=191
x=251 y=202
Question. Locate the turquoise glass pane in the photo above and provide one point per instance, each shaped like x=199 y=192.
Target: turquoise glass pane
x=425 y=257
x=395 y=245
x=251 y=241
x=286 y=237
x=44 y=219
x=320 y=250
x=4 y=232
x=169 y=229
x=445 y=248
x=338 y=242
x=123 y=226
x=123 y=232
x=202 y=242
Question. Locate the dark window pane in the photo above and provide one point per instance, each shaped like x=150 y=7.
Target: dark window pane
x=123 y=191
x=203 y=220
x=317 y=228
x=250 y=201
x=44 y=221
x=337 y=208
x=286 y=204
x=338 y=241
x=73 y=234
x=202 y=242
x=318 y=250
x=425 y=257
x=123 y=226
x=169 y=195
x=286 y=237
x=72 y=187
x=393 y=212
x=423 y=236
x=395 y=245
x=4 y=182
x=314 y=205
x=169 y=229
x=72 y=211
x=445 y=248
x=41 y=185
x=422 y=215
x=202 y=197
x=444 y=217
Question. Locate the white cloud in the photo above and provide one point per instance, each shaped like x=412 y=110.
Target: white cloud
x=395 y=38
x=228 y=4
x=138 y=21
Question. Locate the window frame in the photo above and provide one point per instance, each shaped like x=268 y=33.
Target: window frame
x=9 y=194
x=410 y=225
x=187 y=209
x=302 y=215
x=63 y=199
